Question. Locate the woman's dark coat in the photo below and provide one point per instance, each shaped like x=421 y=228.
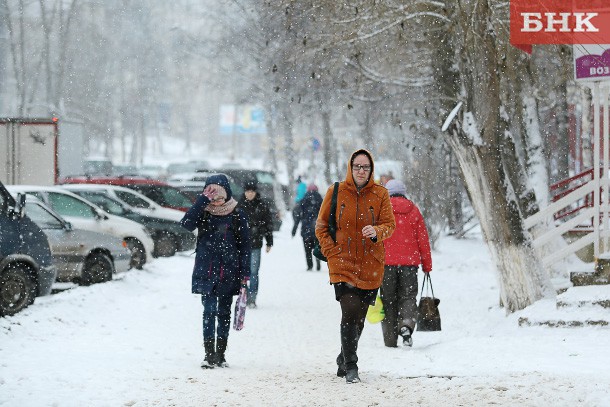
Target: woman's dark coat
x=223 y=246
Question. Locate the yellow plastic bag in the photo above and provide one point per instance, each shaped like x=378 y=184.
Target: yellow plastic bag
x=375 y=312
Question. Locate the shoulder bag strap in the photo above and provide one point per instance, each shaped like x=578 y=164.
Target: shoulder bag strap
x=332 y=217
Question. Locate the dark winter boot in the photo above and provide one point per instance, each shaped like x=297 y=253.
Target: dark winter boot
x=210 y=355
x=340 y=365
x=390 y=333
x=221 y=347
x=407 y=340
x=349 y=345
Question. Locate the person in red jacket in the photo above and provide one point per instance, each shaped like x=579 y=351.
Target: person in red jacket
x=405 y=250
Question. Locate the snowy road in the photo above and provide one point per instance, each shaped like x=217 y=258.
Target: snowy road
x=136 y=341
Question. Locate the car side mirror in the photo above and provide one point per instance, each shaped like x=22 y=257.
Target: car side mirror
x=100 y=216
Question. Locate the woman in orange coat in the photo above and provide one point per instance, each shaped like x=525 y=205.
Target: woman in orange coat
x=356 y=257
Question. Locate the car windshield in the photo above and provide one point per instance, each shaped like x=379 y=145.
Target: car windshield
x=164 y=195
x=107 y=203
x=177 y=168
x=67 y=205
x=264 y=177
x=132 y=199
x=43 y=218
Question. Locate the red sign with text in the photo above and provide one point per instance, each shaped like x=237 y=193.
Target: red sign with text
x=559 y=22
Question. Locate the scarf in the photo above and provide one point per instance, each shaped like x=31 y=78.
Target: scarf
x=222 y=210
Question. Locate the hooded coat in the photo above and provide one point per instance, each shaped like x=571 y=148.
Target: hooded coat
x=353 y=258
x=222 y=257
x=410 y=244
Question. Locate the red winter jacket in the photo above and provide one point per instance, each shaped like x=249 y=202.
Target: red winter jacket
x=410 y=244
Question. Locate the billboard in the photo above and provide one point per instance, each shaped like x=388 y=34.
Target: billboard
x=559 y=22
x=241 y=119
x=592 y=62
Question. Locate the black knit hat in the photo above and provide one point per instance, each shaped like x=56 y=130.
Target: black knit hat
x=250 y=185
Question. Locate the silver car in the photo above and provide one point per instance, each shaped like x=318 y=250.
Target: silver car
x=79 y=255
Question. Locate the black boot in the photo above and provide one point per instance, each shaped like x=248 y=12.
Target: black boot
x=340 y=365
x=210 y=355
x=349 y=345
x=221 y=347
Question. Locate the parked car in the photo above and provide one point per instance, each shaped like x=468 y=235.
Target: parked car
x=169 y=236
x=84 y=215
x=189 y=166
x=192 y=183
x=79 y=255
x=124 y=169
x=97 y=166
x=160 y=192
x=152 y=171
x=26 y=264
x=131 y=199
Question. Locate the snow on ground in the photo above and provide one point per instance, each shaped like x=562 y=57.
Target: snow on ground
x=136 y=341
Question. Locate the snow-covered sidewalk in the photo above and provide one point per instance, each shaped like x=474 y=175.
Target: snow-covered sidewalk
x=136 y=341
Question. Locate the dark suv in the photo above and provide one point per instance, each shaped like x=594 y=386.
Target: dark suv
x=26 y=265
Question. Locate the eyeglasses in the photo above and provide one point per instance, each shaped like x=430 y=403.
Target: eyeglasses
x=218 y=199
x=358 y=167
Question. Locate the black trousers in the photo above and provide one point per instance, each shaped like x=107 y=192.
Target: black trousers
x=354 y=305
x=308 y=244
x=398 y=294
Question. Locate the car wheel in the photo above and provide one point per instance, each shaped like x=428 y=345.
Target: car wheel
x=138 y=254
x=165 y=245
x=98 y=268
x=17 y=289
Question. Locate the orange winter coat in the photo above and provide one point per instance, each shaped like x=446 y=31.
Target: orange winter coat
x=355 y=259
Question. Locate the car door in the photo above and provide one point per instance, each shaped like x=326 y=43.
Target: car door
x=65 y=247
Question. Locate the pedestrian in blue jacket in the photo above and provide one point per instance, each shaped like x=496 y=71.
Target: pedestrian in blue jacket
x=222 y=262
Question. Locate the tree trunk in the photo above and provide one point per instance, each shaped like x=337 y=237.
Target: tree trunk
x=271 y=136
x=482 y=144
x=500 y=221
x=291 y=159
x=328 y=147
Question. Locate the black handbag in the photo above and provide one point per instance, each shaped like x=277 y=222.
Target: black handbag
x=332 y=224
x=428 y=315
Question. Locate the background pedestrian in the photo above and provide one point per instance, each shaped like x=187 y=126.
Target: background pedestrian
x=306 y=216
x=258 y=213
x=405 y=250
